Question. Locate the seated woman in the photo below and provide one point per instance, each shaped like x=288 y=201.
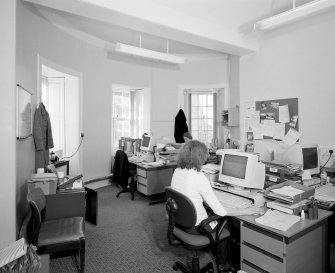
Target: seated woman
x=190 y=181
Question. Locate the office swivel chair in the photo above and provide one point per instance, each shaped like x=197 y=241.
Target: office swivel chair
x=122 y=171
x=182 y=216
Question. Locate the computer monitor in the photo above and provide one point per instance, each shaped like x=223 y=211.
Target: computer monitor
x=306 y=155
x=268 y=149
x=147 y=144
x=241 y=170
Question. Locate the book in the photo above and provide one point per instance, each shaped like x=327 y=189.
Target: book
x=293 y=209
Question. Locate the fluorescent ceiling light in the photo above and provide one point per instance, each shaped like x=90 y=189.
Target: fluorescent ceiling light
x=149 y=54
x=295 y=14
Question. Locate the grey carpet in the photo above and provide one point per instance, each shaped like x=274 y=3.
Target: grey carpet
x=130 y=237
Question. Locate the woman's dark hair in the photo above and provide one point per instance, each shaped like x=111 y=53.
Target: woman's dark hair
x=192 y=155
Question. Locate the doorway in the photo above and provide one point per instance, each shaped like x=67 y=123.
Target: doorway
x=60 y=92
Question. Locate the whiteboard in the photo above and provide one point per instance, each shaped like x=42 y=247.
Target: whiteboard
x=24 y=113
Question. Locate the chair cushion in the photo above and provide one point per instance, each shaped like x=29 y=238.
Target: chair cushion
x=196 y=241
x=61 y=234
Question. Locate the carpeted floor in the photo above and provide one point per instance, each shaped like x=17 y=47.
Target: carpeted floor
x=130 y=237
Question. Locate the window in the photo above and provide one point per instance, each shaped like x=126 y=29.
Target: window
x=130 y=113
x=202 y=115
x=53 y=98
x=121 y=117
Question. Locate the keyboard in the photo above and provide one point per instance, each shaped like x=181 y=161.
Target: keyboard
x=232 y=201
x=135 y=159
x=325 y=193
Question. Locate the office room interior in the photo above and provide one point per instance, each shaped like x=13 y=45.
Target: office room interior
x=296 y=60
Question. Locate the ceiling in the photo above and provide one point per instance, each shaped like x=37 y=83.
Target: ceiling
x=194 y=29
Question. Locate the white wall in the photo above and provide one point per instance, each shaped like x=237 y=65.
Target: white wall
x=297 y=61
x=7 y=122
x=100 y=70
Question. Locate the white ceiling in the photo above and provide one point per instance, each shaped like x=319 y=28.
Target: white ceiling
x=195 y=29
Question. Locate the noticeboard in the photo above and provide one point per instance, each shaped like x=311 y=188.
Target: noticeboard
x=273 y=109
x=24 y=113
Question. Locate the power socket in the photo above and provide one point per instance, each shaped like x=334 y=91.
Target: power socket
x=81 y=135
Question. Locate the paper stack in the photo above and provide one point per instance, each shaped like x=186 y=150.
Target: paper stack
x=289 y=192
x=289 y=208
x=278 y=220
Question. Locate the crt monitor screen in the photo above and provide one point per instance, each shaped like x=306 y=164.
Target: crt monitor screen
x=234 y=165
x=146 y=141
x=310 y=158
x=241 y=170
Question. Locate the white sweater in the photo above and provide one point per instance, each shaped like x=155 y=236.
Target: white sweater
x=197 y=187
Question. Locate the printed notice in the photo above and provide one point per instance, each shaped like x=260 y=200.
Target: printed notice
x=284 y=114
x=291 y=137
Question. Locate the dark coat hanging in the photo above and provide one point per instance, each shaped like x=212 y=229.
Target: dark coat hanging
x=42 y=137
x=180 y=126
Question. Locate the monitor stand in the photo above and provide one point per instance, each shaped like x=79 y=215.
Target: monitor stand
x=238 y=190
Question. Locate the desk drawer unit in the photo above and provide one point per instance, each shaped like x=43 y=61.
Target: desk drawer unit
x=261 y=251
x=153 y=181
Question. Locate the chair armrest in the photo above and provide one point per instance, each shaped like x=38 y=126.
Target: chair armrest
x=213 y=233
x=65 y=204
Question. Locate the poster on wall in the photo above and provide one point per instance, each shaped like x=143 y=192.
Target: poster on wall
x=24 y=113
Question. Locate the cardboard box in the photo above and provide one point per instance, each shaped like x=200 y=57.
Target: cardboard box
x=307 y=191
x=47 y=182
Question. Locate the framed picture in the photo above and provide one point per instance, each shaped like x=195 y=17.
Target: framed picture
x=250 y=136
x=24 y=113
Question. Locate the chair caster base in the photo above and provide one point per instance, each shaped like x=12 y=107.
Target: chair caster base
x=209 y=268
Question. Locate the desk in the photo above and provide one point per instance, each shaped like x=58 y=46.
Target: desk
x=153 y=180
x=302 y=248
x=63 y=166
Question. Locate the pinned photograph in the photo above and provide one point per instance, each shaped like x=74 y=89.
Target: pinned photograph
x=294 y=120
x=263 y=106
x=275 y=105
x=250 y=136
x=270 y=115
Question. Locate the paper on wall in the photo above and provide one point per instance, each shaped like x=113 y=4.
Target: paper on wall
x=250 y=107
x=291 y=137
x=284 y=114
x=279 y=131
x=253 y=118
x=268 y=127
x=257 y=130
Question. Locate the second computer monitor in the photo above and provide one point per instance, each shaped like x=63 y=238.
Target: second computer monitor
x=147 y=144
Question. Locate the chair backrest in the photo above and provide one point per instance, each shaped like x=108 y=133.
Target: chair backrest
x=121 y=168
x=185 y=214
x=36 y=200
